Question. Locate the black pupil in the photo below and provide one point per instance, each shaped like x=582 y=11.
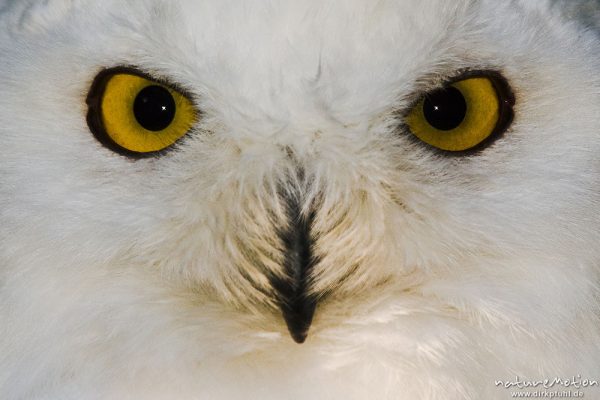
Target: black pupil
x=154 y=108
x=445 y=109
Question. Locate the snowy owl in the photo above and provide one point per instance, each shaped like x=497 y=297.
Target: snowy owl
x=279 y=199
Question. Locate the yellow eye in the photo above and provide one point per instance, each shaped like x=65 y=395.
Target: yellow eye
x=136 y=115
x=463 y=114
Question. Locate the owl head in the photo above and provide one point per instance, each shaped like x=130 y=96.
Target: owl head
x=410 y=188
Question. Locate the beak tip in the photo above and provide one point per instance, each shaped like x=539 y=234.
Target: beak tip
x=299 y=337
x=299 y=323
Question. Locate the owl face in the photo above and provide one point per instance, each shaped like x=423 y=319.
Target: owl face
x=390 y=176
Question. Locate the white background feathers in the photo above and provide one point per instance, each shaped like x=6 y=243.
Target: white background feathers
x=124 y=279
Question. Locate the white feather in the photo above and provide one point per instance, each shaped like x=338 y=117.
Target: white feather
x=124 y=279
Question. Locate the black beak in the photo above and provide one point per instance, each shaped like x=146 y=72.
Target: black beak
x=296 y=305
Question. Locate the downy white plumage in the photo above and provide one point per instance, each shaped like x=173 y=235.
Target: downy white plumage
x=164 y=277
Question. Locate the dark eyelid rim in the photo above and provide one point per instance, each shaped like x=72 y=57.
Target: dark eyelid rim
x=94 y=114
x=505 y=118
